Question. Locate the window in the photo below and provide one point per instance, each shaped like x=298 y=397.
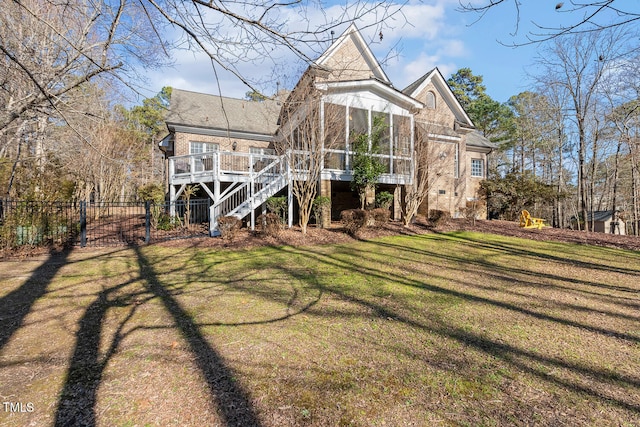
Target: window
x=430 y=100
x=262 y=151
x=358 y=122
x=258 y=161
x=196 y=147
x=477 y=168
x=204 y=163
x=456 y=162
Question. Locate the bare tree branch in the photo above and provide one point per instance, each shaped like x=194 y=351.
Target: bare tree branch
x=586 y=16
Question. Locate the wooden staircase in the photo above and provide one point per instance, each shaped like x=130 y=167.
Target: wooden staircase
x=242 y=198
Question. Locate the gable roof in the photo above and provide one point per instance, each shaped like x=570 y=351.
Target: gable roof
x=352 y=35
x=436 y=78
x=200 y=110
x=411 y=89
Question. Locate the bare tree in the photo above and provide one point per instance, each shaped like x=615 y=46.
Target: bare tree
x=102 y=178
x=50 y=47
x=433 y=160
x=583 y=15
x=309 y=128
x=576 y=65
x=626 y=121
x=49 y=50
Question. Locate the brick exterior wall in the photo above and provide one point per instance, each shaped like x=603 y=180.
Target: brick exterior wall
x=182 y=140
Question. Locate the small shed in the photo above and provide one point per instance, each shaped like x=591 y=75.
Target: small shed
x=606 y=222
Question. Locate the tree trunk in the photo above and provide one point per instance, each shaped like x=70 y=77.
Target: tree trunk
x=582 y=179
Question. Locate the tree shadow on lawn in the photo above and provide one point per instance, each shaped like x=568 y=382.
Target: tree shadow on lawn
x=231 y=399
x=78 y=399
x=527 y=361
x=495 y=267
x=533 y=253
x=16 y=305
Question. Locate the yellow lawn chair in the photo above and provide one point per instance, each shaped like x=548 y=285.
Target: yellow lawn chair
x=527 y=221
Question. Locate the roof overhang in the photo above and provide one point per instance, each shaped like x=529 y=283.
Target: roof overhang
x=166 y=143
x=375 y=86
x=476 y=149
x=225 y=133
x=439 y=132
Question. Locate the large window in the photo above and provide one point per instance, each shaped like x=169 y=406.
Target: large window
x=344 y=124
x=335 y=127
x=401 y=136
x=358 y=122
x=477 y=168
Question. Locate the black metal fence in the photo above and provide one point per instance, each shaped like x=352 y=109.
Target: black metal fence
x=99 y=224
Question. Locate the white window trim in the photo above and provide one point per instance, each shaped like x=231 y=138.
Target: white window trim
x=214 y=145
x=473 y=175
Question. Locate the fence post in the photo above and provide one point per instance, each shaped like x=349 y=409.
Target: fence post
x=147 y=221
x=83 y=224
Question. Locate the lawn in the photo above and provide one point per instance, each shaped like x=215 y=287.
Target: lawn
x=449 y=329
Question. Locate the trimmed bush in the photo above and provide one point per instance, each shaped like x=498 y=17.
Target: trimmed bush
x=354 y=220
x=380 y=216
x=437 y=217
x=229 y=227
x=278 y=206
x=269 y=224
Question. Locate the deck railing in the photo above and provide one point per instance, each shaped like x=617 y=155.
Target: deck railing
x=216 y=164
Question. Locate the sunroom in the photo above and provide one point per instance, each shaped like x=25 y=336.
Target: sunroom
x=351 y=108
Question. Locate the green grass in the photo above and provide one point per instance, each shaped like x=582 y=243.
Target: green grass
x=449 y=329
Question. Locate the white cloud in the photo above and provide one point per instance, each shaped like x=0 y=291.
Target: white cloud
x=423 y=37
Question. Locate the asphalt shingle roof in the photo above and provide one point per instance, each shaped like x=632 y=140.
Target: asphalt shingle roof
x=216 y=112
x=475 y=139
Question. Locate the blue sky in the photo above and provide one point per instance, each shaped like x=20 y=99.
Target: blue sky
x=436 y=35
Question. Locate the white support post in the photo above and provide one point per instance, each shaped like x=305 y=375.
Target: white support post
x=250 y=196
x=289 y=198
x=172 y=200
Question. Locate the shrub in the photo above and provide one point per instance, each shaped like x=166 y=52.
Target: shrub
x=154 y=193
x=229 y=227
x=474 y=209
x=384 y=199
x=354 y=220
x=163 y=221
x=438 y=217
x=278 y=206
x=380 y=216
x=321 y=207
x=269 y=224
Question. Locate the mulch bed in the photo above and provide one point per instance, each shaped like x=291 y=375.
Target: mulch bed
x=336 y=235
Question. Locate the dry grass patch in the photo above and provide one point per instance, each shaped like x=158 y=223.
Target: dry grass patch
x=451 y=329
